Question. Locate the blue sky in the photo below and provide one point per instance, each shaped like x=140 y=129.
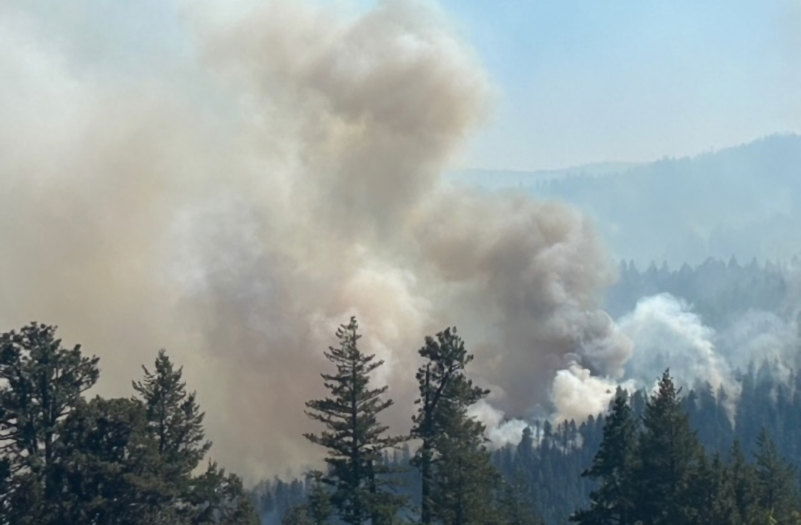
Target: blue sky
x=582 y=81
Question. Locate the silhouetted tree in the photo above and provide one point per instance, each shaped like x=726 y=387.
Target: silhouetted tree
x=41 y=384
x=613 y=502
x=668 y=455
x=353 y=436
x=457 y=476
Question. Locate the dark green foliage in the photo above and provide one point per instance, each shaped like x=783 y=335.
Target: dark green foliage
x=353 y=436
x=458 y=481
x=743 y=482
x=107 y=461
x=709 y=417
x=614 y=467
x=445 y=394
x=720 y=291
x=319 y=504
x=513 y=508
x=173 y=418
x=774 y=484
x=217 y=498
x=444 y=391
x=41 y=383
x=110 y=473
x=668 y=455
x=675 y=481
x=317 y=508
x=711 y=498
x=174 y=422
x=464 y=478
x=543 y=472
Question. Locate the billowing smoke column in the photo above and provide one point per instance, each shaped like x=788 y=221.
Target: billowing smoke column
x=667 y=334
x=235 y=190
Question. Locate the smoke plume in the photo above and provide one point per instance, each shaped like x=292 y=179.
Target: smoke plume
x=240 y=184
x=667 y=334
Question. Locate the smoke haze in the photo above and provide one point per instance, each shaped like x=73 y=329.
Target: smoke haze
x=265 y=178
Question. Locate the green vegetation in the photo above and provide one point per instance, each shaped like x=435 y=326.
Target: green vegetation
x=69 y=460
x=658 y=458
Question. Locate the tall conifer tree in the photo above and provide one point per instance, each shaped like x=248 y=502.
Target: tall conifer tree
x=354 y=437
x=613 y=467
x=174 y=417
x=457 y=477
x=41 y=384
x=775 y=484
x=668 y=454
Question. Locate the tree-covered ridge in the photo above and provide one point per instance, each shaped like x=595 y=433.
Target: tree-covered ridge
x=719 y=290
x=658 y=472
x=722 y=437
x=735 y=201
x=71 y=460
x=665 y=456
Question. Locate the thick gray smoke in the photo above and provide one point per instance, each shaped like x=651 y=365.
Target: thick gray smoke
x=235 y=190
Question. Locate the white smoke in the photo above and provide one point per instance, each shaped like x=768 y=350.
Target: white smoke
x=577 y=394
x=667 y=334
x=759 y=336
x=500 y=430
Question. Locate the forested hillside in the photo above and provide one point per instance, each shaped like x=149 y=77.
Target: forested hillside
x=733 y=456
x=543 y=466
x=738 y=201
x=719 y=290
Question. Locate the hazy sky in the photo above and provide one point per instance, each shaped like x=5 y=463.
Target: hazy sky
x=576 y=81
x=584 y=81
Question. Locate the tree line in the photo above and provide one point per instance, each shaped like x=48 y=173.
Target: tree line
x=662 y=457
x=655 y=458
x=720 y=291
x=654 y=470
x=65 y=459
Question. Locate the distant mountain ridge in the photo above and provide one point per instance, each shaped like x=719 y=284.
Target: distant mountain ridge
x=494 y=179
x=742 y=201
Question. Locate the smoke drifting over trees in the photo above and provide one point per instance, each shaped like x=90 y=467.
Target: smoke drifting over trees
x=244 y=182
x=263 y=179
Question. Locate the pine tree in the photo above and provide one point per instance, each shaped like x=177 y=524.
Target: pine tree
x=173 y=417
x=524 y=468
x=41 y=383
x=668 y=454
x=525 y=448
x=123 y=461
x=456 y=474
x=219 y=499
x=512 y=507
x=353 y=435
x=317 y=508
x=613 y=467
x=743 y=481
x=111 y=473
x=711 y=495
x=174 y=423
x=776 y=488
x=319 y=502
x=464 y=479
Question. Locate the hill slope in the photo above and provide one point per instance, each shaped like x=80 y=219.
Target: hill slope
x=743 y=201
